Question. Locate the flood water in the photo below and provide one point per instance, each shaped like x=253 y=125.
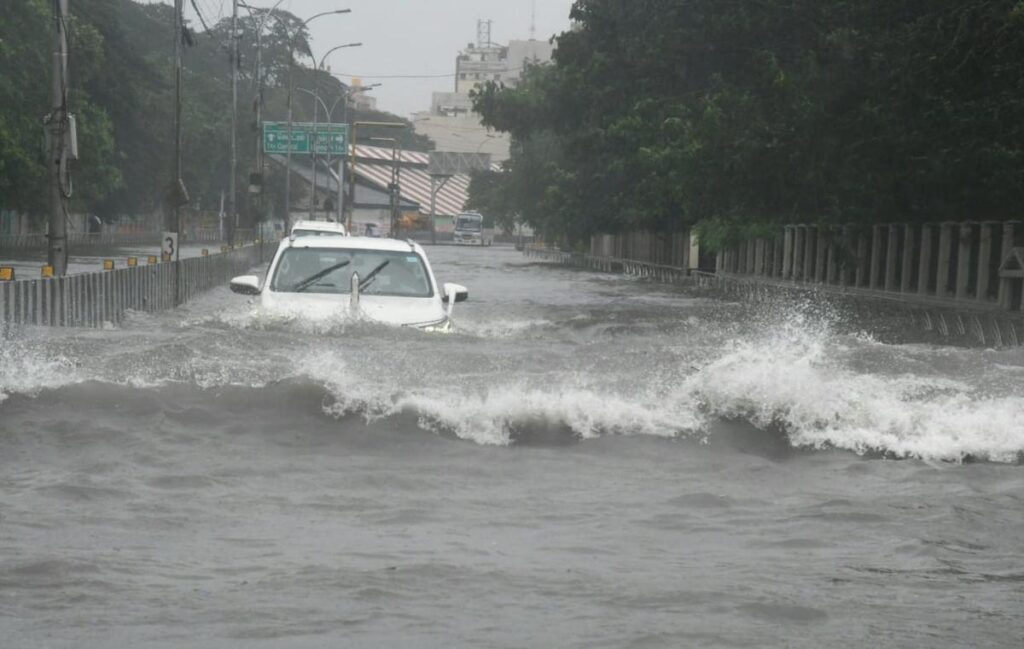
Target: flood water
x=591 y=461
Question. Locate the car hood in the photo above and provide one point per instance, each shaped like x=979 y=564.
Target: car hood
x=397 y=311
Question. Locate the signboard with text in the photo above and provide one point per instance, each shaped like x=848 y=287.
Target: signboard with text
x=326 y=139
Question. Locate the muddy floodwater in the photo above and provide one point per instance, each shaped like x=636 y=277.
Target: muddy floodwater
x=590 y=461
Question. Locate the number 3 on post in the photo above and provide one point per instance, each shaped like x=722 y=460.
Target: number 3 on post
x=169 y=246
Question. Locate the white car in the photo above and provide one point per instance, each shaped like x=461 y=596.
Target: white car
x=383 y=280
x=318 y=229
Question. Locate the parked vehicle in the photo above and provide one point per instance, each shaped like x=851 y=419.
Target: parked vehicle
x=383 y=280
x=469 y=230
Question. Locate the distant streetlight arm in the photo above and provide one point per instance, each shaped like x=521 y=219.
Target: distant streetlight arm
x=333 y=49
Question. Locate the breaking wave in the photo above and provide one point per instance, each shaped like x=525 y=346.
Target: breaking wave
x=803 y=380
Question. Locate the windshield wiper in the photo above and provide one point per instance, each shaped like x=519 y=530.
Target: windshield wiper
x=373 y=274
x=309 y=281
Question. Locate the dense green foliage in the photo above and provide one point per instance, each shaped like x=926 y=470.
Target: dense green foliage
x=122 y=95
x=733 y=115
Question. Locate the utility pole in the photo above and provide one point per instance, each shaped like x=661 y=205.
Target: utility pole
x=60 y=135
x=178 y=196
x=232 y=189
x=291 y=141
x=259 y=137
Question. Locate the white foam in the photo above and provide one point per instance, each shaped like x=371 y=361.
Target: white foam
x=493 y=416
x=798 y=380
x=500 y=328
x=25 y=370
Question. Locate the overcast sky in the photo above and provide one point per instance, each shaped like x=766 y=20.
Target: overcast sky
x=406 y=37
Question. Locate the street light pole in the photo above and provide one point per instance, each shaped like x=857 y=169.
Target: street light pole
x=260 y=159
x=291 y=91
x=329 y=112
x=316 y=121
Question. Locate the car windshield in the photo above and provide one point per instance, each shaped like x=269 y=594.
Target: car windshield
x=329 y=270
x=468 y=225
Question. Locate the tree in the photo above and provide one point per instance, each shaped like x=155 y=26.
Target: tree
x=672 y=113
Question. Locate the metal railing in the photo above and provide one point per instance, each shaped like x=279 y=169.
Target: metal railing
x=77 y=240
x=101 y=298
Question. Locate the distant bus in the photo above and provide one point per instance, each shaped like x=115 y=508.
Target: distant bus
x=469 y=230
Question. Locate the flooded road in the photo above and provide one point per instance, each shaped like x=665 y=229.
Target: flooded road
x=591 y=461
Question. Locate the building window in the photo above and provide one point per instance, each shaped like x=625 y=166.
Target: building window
x=462 y=76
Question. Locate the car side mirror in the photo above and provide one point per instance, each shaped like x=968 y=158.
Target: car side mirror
x=246 y=285
x=460 y=292
x=454 y=293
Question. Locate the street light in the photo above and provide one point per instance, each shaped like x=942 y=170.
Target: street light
x=316 y=120
x=341 y=161
x=353 y=91
x=394 y=188
x=259 y=24
x=291 y=87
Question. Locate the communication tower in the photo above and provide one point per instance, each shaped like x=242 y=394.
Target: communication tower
x=483 y=33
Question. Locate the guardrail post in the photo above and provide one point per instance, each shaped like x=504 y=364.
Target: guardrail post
x=875 y=279
x=963 y=260
x=944 y=269
x=799 y=250
x=846 y=257
x=810 y=239
x=1009 y=237
x=984 y=269
x=892 y=251
x=832 y=262
x=924 y=262
x=863 y=273
x=788 y=236
x=907 y=272
x=821 y=254
x=759 y=257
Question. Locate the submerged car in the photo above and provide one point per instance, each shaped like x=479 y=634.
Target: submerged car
x=384 y=280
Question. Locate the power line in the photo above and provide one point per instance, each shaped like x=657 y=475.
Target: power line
x=408 y=76
x=392 y=76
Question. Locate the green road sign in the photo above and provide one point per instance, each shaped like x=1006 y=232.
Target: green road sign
x=329 y=139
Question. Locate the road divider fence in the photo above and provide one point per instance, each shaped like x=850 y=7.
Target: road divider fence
x=77 y=240
x=964 y=281
x=102 y=298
